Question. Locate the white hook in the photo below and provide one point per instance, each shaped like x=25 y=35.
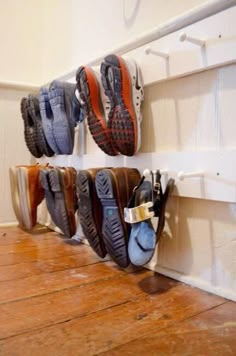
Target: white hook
x=184 y=37
x=147 y=172
x=148 y=50
x=182 y=175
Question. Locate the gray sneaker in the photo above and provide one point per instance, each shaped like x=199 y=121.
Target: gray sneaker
x=66 y=114
x=47 y=119
x=33 y=110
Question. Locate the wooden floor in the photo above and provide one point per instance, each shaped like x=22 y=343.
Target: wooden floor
x=58 y=299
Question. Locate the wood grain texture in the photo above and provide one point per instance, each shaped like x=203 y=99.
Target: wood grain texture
x=40 y=254
x=51 y=282
x=115 y=326
x=64 y=305
x=79 y=305
x=27 y=269
x=209 y=333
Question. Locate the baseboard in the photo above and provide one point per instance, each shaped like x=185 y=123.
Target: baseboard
x=196 y=282
x=9 y=224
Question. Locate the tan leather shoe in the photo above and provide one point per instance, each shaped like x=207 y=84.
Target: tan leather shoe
x=27 y=193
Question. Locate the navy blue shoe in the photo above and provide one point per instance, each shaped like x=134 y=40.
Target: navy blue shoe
x=66 y=113
x=47 y=119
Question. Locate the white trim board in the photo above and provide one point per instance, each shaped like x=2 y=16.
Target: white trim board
x=218 y=167
x=10 y=223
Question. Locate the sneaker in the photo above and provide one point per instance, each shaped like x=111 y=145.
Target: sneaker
x=49 y=194
x=33 y=110
x=90 y=210
x=114 y=188
x=47 y=119
x=66 y=114
x=30 y=130
x=121 y=80
x=91 y=94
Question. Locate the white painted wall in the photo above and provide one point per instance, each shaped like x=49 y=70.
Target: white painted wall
x=12 y=148
x=76 y=31
x=21 y=41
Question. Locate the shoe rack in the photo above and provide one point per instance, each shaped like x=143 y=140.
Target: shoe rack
x=177 y=52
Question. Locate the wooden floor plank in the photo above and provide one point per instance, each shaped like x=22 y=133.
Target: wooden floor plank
x=12 y=234
x=50 y=282
x=42 y=254
x=31 y=245
x=63 y=300
x=27 y=269
x=26 y=315
x=212 y=332
x=109 y=328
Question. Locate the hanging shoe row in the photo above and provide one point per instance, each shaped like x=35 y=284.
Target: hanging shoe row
x=50 y=119
x=115 y=207
x=111 y=103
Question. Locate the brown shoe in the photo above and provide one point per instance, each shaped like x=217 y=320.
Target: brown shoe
x=27 y=193
x=62 y=184
x=114 y=188
x=90 y=210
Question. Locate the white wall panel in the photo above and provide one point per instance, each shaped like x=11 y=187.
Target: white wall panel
x=13 y=150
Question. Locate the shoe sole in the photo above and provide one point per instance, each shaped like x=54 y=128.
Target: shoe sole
x=49 y=195
x=60 y=203
x=61 y=129
x=23 y=185
x=88 y=88
x=15 y=195
x=122 y=117
x=29 y=131
x=112 y=228
x=86 y=192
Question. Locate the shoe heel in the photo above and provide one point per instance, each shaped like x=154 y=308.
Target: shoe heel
x=54 y=181
x=43 y=174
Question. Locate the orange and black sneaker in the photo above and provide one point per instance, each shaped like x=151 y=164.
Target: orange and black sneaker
x=121 y=80
x=92 y=100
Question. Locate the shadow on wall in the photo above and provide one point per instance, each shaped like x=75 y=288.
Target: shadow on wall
x=180 y=114
x=130 y=11
x=199 y=240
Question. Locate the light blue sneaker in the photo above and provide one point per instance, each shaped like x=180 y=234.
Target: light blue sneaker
x=147 y=201
x=66 y=113
x=142 y=243
x=47 y=119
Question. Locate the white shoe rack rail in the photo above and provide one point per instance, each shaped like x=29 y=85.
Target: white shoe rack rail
x=196 y=41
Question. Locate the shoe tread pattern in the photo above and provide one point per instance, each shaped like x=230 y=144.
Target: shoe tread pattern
x=100 y=134
x=112 y=228
x=86 y=215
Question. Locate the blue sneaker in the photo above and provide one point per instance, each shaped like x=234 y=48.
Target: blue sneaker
x=47 y=119
x=66 y=114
